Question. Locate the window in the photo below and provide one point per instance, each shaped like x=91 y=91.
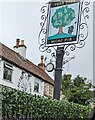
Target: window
x=7 y=74
x=36 y=86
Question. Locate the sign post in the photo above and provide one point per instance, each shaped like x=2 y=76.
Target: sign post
x=62 y=29
x=62 y=16
x=58 y=72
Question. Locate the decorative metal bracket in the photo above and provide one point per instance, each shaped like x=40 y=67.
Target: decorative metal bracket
x=43 y=31
x=84 y=6
x=83 y=26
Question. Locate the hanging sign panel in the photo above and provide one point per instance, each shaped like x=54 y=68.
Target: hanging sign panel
x=63 y=22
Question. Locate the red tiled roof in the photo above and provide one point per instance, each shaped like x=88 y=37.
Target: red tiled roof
x=13 y=57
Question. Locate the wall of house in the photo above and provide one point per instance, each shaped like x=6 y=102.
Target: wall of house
x=21 y=80
x=1 y=70
x=48 y=90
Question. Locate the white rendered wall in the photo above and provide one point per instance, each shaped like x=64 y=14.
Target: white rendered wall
x=16 y=78
x=22 y=51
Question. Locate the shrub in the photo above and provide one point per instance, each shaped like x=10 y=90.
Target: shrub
x=16 y=103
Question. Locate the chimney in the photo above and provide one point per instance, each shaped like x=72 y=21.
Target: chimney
x=20 y=48
x=17 y=42
x=22 y=42
x=42 y=64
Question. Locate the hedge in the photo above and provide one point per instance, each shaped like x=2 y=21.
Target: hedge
x=17 y=103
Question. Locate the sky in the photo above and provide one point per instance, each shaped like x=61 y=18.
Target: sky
x=21 y=19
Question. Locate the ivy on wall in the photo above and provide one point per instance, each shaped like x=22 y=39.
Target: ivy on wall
x=16 y=103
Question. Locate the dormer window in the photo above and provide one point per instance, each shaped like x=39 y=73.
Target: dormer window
x=7 y=74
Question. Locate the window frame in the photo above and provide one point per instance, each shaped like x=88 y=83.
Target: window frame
x=9 y=69
x=36 y=84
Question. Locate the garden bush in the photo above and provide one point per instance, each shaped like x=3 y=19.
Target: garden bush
x=16 y=103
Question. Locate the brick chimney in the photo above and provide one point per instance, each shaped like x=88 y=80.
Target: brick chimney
x=20 y=47
x=42 y=64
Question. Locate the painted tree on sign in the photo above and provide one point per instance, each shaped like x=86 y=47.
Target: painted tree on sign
x=62 y=17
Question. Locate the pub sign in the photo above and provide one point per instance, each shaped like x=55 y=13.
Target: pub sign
x=63 y=23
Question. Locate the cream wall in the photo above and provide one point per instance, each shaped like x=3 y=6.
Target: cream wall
x=48 y=90
x=16 y=74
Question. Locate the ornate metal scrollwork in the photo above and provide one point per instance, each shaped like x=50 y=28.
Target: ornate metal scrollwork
x=43 y=31
x=41 y=37
x=83 y=28
x=83 y=24
x=82 y=35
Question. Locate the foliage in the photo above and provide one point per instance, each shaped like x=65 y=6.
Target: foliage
x=76 y=90
x=17 y=103
x=63 y=17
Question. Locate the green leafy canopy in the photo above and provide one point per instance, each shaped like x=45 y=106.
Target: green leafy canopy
x=76 y=90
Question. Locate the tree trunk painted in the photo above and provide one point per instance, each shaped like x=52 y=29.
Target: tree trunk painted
x=60 y=30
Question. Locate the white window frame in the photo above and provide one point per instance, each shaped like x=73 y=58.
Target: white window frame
x=36 y=82
x=7 y=66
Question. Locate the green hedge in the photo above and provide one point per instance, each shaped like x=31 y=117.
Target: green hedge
x=15 y=103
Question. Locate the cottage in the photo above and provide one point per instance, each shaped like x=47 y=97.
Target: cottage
x=18 y=72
